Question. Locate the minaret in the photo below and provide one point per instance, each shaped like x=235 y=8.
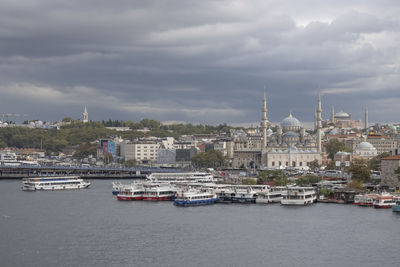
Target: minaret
x=85 y=116
x=366 y=118
x=333 y=115
x=264 y=121
x=319 y=123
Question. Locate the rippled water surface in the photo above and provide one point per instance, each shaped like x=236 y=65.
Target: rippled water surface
x=91 y=228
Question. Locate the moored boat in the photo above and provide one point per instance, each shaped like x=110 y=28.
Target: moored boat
x=194 y=197
x=132 y=192
x=299 y=196
x=384 y=201
x=54 y=183
x=157 y=193
x=244 y=196
x=269 y=196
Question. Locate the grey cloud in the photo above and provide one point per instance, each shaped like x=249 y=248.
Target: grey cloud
x=191 y=60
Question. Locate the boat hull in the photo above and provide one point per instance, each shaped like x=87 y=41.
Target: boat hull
x=166 y=198
x=186 y=203
x=244 y=200
x=383 y=206
x=396 y=208
x=129 y=198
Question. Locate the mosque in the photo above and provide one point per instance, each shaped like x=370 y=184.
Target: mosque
x=289 y=147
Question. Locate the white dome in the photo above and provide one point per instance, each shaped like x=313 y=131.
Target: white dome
x=290 y=122
x=342 y=114
x=364 y=146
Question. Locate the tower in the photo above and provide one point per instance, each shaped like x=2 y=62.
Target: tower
x=333 y=115
x=85 y=116
x=366 y=118
x=319 y=123
x=264 y=121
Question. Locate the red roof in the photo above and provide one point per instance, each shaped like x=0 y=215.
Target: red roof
x=397 y=157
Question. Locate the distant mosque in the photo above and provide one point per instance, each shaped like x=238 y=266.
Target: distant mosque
x=289 y=147
x=85 y=116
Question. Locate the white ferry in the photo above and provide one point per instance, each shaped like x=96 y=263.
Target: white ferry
x=269 y=196
x=299 y=196
x=244 y=195
x=131 y=192
x=159 y=193
x=384 y=201
x=190 y=177
x=364 y=200
x=54 y=183
x=194 y=197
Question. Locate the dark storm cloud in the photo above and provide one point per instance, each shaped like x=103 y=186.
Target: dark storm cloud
x=198 y=61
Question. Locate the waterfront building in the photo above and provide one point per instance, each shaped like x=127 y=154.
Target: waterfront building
x=389 y=166
x=143 y=151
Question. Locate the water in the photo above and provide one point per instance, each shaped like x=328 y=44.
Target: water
x=91 y=228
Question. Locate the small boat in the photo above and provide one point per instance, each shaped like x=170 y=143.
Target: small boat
x=54 y=183
x=132 y=192
x=384 y=201
x=117 y=187
x=299 y=196
x=194 y=197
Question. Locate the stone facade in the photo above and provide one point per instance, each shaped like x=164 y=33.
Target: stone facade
x=388 y=167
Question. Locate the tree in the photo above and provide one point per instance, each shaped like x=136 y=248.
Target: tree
x=130 y=163
x=314 y=165
x=307 y=180
x=331 y=165
x=375 y=163
x=334 y=146
x=360 y=170
x=84 y=150
x=276 y=176
x=209 y=159
x=249 y=181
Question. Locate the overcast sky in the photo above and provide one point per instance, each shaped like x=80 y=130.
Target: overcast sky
x=199 y=61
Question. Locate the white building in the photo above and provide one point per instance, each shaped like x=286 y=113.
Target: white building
x=142 y=151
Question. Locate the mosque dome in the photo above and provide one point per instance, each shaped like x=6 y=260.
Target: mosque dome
x=269 y=131
x=290 y=134
x=342 y=115
x=364 y=146
x=290 y=122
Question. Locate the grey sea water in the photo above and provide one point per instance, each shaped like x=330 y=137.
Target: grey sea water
x=91 y=228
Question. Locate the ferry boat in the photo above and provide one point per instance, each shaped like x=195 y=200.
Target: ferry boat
x=244 y=196
x=54 y=183
x=117 y=187
x=191 y=177
x=364 y=200
x=156 y=193
x=269 y=196
x=132 y=192
x=384 y=201
x=299 y=196
x=194 y=197
x=225 y=195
